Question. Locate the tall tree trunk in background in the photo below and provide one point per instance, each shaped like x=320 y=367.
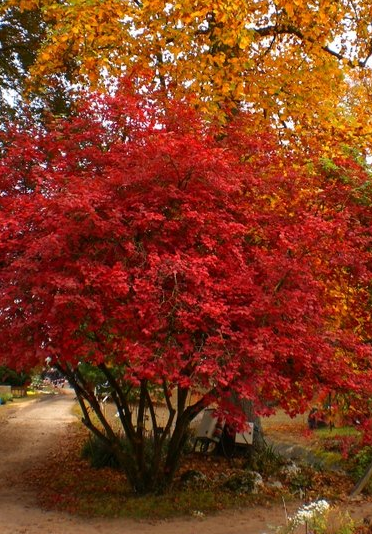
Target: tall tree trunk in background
x=258 y=435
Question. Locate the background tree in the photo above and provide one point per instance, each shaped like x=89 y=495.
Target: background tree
x=176 y=261
x=302 y=66
x=12 y=378
x=22 y=33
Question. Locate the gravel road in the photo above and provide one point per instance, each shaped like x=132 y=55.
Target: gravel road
x=31 y=430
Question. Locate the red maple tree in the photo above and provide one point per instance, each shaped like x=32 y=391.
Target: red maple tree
x=137 y=241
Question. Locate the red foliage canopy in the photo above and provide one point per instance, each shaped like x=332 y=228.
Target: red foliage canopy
x=142 y=239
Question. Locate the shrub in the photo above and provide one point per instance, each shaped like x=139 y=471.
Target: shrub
x=12 y=378
x=5 y=397
x=241 y=483
x=347 y=446
x=266 y=461
x=98 y=454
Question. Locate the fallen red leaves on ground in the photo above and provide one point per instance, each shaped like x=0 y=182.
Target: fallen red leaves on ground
x=64 y=481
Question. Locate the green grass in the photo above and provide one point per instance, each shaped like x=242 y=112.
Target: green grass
x=5 y=398
x=324 y=433
x=6 y=409
x=181 y=503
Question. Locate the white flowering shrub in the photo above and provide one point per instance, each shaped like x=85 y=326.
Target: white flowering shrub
x=313 y=519
x=313 y=516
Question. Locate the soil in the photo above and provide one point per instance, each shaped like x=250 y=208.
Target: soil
x=30 y=432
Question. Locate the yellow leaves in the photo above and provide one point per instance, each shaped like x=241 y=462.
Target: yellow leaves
x=45 y=56
x=27 y=4
x=76 y=30
x=245 y=41
x=216 y=51
x=289 y=9
x=23 y=5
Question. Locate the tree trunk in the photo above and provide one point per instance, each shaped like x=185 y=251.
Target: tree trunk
x=361 y=484
x=258 y=436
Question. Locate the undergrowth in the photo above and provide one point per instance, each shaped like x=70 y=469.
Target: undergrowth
x=69 y=483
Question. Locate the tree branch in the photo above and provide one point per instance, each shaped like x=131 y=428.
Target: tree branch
x=171 y=411
x=122 y=403
x=290 y=29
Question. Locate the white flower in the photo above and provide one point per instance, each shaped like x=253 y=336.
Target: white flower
x=309 y=512
x=197 y=513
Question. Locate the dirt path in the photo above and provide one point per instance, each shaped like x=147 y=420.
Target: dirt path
x=30 y=433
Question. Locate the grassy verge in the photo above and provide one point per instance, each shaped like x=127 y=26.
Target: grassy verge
x=325 y=433
x=7 y=409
